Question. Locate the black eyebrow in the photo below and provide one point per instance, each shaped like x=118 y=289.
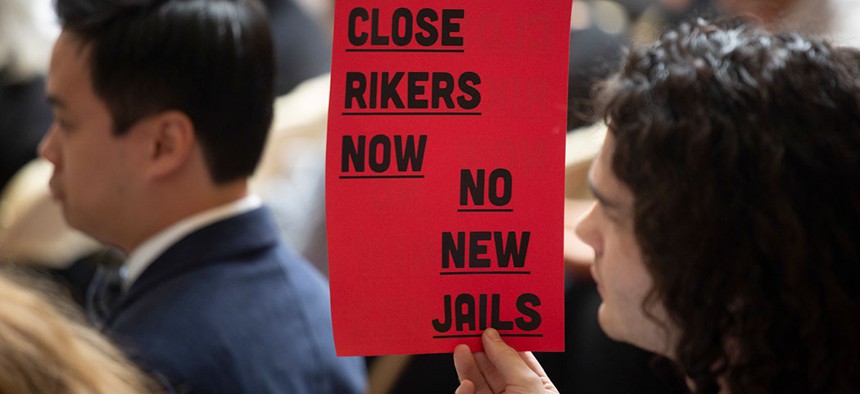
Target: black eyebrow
x=604 y=201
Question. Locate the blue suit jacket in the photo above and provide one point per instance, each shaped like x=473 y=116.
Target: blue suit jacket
x=230 y=309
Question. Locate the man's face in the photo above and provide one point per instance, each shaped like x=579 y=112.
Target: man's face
x=619 y=270
x=91 y=165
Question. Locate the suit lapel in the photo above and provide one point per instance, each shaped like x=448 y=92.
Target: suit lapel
x=221 y=240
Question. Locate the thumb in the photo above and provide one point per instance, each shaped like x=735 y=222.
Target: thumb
x=505 y=358
x=466 y=387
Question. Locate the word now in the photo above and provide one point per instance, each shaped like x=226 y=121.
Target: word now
x=378 y=153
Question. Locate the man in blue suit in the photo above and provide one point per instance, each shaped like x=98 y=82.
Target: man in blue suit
x=162 y=109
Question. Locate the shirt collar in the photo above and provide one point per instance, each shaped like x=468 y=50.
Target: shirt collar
x=142 y=256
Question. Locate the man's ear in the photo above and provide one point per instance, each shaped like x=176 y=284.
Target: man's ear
x=171 y=142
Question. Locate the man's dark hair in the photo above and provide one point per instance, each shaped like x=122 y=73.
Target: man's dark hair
x=210 y=59
x=742 y=151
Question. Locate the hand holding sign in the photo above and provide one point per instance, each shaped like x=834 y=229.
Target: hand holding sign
x=501 y=369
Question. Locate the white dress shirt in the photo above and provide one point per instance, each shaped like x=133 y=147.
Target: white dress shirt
x=149 y=250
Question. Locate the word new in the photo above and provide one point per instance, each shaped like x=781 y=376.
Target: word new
x=505 y=249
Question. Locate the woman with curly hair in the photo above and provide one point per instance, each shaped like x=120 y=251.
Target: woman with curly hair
x=726 y=226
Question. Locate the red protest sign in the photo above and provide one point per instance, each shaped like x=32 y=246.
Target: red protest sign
x=445 y=174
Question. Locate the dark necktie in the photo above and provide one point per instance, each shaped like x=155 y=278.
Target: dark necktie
x=103 y=292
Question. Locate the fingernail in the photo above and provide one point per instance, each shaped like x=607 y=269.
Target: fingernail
x=492 y=334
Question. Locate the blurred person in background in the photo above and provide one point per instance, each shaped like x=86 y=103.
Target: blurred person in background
x=26 y=35
x=46 y=347
x=302 y=45
x=835 y=20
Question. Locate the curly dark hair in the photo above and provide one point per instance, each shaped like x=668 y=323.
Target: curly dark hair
x=742 y=150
